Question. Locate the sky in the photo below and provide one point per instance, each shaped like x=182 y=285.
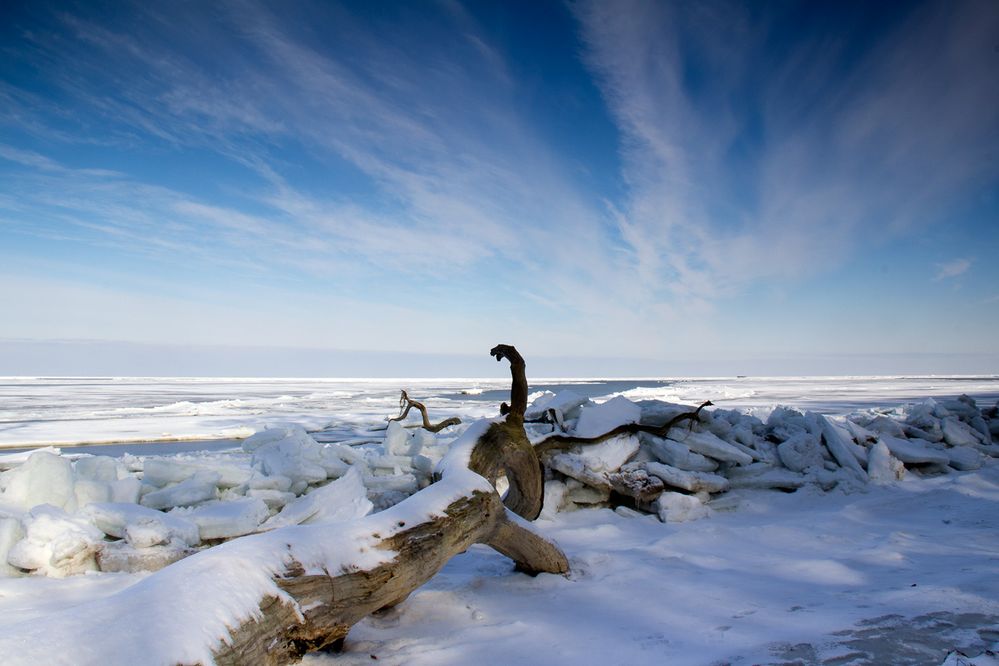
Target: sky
x=617 y=188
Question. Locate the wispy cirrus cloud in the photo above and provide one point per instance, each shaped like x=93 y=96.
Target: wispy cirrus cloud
x=398 y=157
x=952 y=269
x=443 y=180
x=746 y=164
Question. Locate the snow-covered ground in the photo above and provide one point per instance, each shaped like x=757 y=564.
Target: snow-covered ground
x=854 y=567
x=899 y=575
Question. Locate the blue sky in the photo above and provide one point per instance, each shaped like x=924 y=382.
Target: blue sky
x=621 y=187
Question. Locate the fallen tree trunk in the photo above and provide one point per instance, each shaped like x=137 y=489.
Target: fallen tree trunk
x=325 y=606
x=320 y=607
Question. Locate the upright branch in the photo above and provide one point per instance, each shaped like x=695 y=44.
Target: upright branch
x=554 y=442
x=518 y=373
x=504 y=450
x=406 y=404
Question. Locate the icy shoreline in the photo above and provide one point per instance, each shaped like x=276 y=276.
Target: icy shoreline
x=863 y=505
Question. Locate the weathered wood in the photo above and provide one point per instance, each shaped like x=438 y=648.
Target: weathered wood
x=406 y=404
x=558 y=441
x=504 y=449
x=331 y=604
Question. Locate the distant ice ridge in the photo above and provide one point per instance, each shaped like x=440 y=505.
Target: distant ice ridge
x=102 y=410
x=63 y=412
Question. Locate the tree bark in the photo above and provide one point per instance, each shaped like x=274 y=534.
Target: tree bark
x=505 y=449
x=332 y=604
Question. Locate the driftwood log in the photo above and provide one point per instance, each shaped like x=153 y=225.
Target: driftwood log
x=406 y=404
x=327 y=606
x=504 y=449
x=477 y=514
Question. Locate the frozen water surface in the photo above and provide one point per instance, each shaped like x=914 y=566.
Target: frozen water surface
x=69 y=411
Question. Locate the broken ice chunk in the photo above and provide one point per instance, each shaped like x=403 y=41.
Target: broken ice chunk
x=882 y=467
x=677 y=507
x=115 y=519
x=199 y=488
x=11 y=532
x=126 y=490
x=56 y=544
x=290 y=452
x=678 y=455
x=339 y=501
x=226 y=520
x=97 y=468
x=87 y=491
x=610 y=454
x=597 y=419
x=913 y=452
x=691 y=481
x=120 y=556
x=710 y=445
x=45 y=478
x=160 y=472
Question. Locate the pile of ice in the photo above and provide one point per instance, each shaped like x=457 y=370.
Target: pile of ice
x=678 y=477
x=61 y=516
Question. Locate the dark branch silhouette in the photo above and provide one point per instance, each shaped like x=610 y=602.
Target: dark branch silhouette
x=406 y=404
x=559 y=441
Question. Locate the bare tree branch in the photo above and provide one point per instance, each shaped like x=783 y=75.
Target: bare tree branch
x=406 y=404
x=559 y=441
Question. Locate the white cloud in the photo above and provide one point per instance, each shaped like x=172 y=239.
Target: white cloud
x=952 y=269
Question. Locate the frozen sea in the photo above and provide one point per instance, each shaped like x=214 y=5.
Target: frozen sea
x=70 y=411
